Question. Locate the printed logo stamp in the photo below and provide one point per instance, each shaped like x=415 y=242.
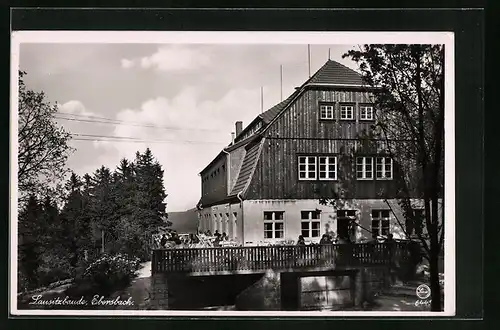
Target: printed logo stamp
x=423 y=291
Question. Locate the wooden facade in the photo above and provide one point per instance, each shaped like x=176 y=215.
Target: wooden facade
x=300 y=131
x=264 y=167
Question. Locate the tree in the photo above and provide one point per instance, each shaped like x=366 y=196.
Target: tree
x=30 y=248
x=150 y=208
x=103 y=207
x=125 y=187
x=150 y=189
x=55 y=264
x=409 y=97
x=72 y=217
x=43 y=145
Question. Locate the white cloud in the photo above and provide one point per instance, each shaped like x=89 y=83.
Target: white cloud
x=171 y=58
x=199 y=129
x=75 y=107
x=127 y=64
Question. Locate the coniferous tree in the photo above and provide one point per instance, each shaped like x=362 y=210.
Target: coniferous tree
x=55 y=262
x=30 y=248
x=150 y=211
x=103 y=207
x=71 y=216
x=125 y=192
x=151 y=191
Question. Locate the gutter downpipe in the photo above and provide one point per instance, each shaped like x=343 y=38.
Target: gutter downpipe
x=228 y=165
x=241 y=205
x=228 y=180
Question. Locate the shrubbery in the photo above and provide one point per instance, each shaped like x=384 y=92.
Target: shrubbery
x=108 y=273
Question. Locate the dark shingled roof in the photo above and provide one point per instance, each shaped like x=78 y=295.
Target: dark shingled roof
x=247 y=168
x=269 y=115
x=335 y=73
x=330 y=73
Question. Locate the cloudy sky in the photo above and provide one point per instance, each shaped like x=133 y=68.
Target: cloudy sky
x=188 y=95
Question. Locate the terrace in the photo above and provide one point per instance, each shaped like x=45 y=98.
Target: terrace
x=258 y=259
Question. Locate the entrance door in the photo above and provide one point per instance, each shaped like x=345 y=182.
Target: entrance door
x=343 y=228
x=345 y=225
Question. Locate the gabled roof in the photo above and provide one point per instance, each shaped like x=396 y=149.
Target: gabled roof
x=331 y=73
x=334 y=73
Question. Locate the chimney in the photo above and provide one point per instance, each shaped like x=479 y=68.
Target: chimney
x=239 y=127
x=232 y=137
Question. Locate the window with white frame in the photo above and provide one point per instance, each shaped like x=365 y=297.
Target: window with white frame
x=364 y=168
x=327 y=167
x=366 y=112
x=380 y=223
x=274 y=225
x=384 y=168
x=307 y=168
x=310 y=223
x=346 y=112
x=327 y=112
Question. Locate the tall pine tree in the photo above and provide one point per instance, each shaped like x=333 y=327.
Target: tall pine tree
x=30 y=248
x=71 y=215
x=150 y=192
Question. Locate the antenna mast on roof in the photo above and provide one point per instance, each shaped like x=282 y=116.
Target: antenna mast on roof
x=261 y=99
x=309 y=58
x=328 y=53
x=281 y=81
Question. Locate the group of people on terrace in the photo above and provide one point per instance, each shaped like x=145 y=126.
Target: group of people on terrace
x=217 y=239
x=327 y=239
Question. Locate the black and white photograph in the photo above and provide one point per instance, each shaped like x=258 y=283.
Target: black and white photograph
x=232 y=173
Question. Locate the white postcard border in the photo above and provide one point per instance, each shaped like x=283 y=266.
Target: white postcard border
x=208 y=37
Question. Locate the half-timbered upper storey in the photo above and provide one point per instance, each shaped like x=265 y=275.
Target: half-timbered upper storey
x=307 y=146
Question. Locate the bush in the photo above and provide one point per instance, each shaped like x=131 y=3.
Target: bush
x=109 y=273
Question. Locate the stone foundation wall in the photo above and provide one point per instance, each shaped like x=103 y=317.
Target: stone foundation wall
x=159 y=291
x=263 y=295
x=369 y=282
x=283 y=291
x=272 y=290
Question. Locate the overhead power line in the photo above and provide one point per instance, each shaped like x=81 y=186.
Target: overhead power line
x=92 y=137
x=109 y=121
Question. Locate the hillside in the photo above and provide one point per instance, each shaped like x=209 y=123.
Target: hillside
x=184 y=222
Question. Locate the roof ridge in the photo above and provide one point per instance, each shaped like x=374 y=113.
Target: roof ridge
x=315 y=73
x=345 y=66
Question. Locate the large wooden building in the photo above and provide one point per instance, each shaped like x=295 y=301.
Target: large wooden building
x=267 y=184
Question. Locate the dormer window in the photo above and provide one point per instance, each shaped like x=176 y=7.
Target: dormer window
x=327 y=112
x=346 y=112
x=366 y=112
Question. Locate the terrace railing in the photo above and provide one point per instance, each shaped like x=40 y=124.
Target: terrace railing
x=261 y=258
